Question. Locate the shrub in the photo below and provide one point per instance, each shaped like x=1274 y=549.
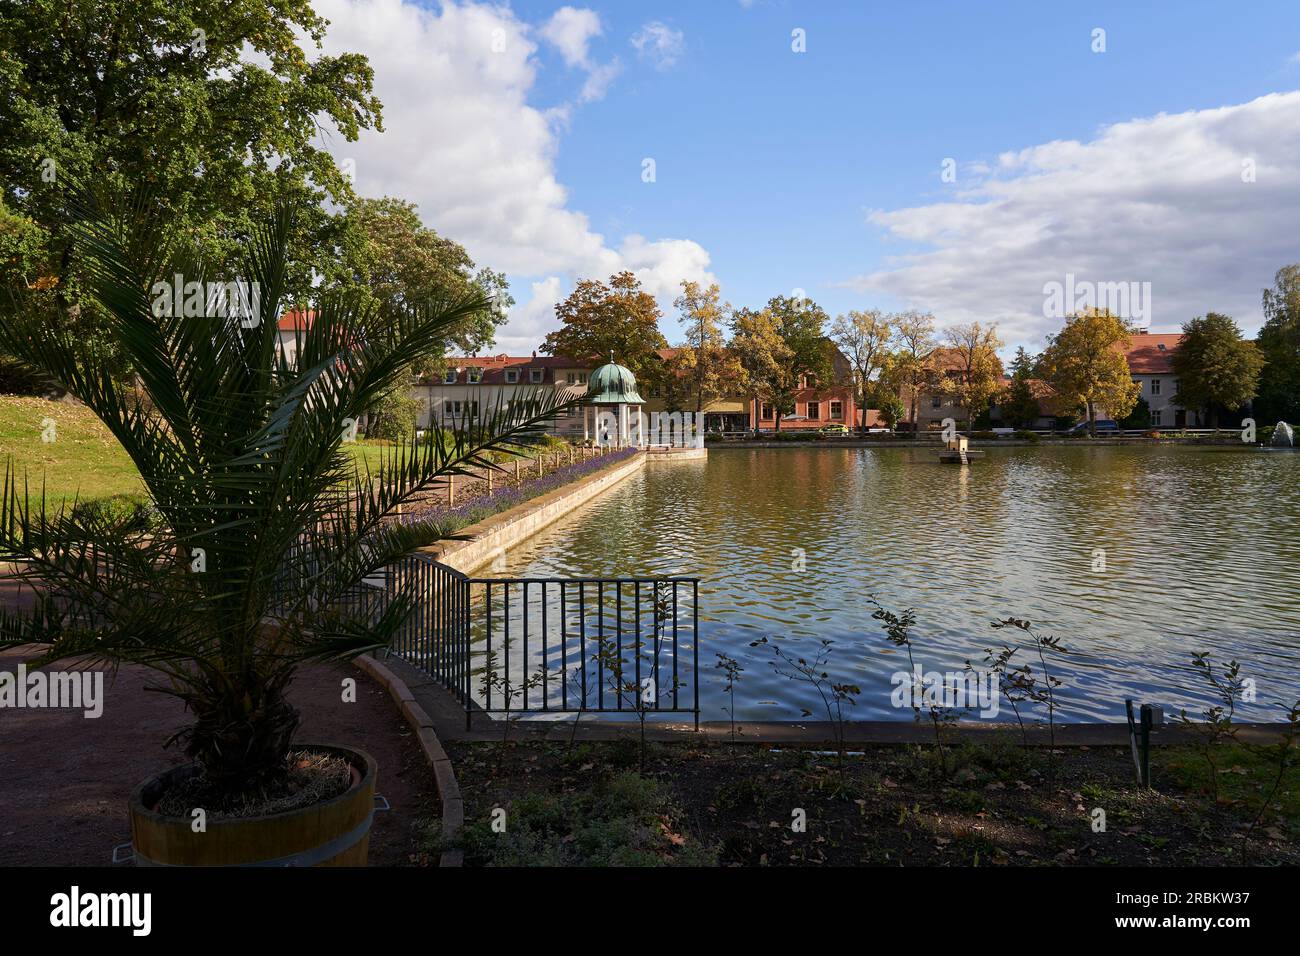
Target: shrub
x=394 y=417
x=1025 y=435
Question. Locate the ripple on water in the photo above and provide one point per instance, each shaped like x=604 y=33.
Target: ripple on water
x=1200 y=545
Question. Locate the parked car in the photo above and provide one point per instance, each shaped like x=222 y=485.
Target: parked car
x=1103 y=425
x=834 y=430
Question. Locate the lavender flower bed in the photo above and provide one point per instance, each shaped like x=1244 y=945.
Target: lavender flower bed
x=476 y=509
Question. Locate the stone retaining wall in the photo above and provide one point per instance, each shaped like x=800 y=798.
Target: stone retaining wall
x=490 y=537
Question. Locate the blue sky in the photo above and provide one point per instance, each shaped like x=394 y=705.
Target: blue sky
x=770 y=161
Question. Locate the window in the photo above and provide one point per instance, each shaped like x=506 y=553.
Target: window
x=814 y=410
x=473 y=409
x=1155 y=417
x=766 y=414
x=535 y=375
x=512 y=376
x=837 y=409
x=449 y=376
x=453 y=408
x=936 y=402
x=1155 y=386
x=577 y=378
x=475 y=376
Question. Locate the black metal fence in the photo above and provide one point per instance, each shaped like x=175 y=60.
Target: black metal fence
x=539 y=645
x=586 y=645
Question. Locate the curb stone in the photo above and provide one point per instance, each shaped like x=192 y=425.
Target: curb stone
x=444 y=777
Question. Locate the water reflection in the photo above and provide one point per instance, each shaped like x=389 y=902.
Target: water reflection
x=1200 y=548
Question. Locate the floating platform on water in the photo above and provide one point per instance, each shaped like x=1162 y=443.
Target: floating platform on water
x=959 y=457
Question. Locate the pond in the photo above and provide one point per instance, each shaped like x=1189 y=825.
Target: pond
x=1133 y=556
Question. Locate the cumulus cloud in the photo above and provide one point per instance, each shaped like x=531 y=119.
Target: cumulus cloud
x=659 y=43
x=464 y=142
x=570 y=30
x=1201 y=204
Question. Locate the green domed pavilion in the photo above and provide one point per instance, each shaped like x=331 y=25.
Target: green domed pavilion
x=612 y=389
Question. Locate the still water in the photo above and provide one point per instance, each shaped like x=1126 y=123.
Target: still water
x=1201 y=551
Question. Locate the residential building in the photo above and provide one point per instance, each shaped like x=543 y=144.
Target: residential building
x=1151 y=363
x=473 y=386
x=816 y=404
x=289 y=328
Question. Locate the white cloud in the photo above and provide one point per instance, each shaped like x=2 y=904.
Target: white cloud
x=1158 y=200
x=659 y=43
x=463 y=141
x=531 y=320
x=570 y=30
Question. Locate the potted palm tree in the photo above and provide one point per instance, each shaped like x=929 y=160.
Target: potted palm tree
x=261 y=521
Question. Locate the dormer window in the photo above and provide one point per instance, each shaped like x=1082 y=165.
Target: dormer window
x=475 y=376
x=1160 y=346
x=512 y=376
x=449 y=376
x=535 y=375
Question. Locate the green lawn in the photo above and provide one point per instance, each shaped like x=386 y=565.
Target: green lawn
x=84 y=459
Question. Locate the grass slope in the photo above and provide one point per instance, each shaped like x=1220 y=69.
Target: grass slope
x=84 y=460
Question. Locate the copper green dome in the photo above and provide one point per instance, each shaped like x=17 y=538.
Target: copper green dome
x=613 y=384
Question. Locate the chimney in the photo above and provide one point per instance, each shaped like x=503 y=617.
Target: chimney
x=534 y=353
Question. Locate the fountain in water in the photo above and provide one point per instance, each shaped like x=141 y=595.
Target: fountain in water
x=1283 y=436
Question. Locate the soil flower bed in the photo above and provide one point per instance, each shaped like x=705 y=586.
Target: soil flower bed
x=993 y=804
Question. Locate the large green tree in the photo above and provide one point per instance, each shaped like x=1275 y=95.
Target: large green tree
x=801 y=323
x=617 y=317
x=1279 y=343
x=1215 y=367
x=1020 y=406
x=781 y=347
x=1087 y=364
x=768 y=361
x=384 y=252
x=213 y=104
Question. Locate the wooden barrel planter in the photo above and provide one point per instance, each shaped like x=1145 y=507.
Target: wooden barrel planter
x=335 y=832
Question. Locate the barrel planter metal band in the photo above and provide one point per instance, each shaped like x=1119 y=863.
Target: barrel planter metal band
x=335 y=832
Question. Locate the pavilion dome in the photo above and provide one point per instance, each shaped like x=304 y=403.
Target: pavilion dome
x=613 y=384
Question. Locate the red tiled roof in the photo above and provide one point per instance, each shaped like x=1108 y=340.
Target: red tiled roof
x=494 y=368
x=296 y=320
x=1152 y=354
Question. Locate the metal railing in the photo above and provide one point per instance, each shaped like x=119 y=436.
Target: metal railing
x=539 y=645
x=587 y=645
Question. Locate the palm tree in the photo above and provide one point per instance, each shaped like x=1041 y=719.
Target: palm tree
x=261 y=521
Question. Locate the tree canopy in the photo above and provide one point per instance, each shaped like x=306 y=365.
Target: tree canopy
x=1279 y=344
x=619 y=317
x=1087 y=364
x=1215 y=367
x=213 y=106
